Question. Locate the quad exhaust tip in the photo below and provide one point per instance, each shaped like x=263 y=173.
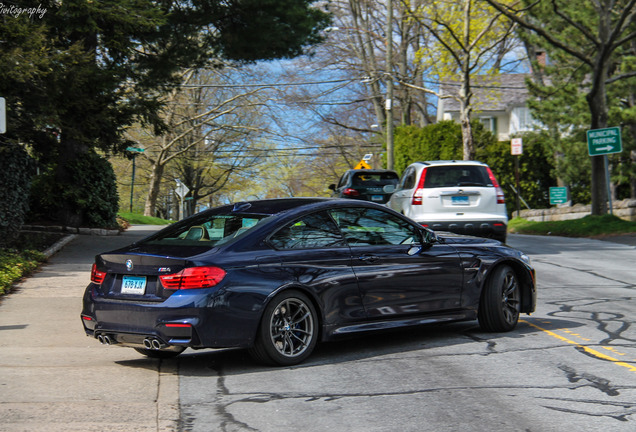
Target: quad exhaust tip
x=154 y=344
x=105 y=340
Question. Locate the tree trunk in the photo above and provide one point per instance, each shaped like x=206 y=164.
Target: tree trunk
x=596 y=100
x=154 y=188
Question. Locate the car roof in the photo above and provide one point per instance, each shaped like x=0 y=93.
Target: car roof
x=372 y=171
x=272 y=206
x=450 y=162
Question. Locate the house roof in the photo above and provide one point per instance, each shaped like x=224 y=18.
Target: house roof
x=490 y=93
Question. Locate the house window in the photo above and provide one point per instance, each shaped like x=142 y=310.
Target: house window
x=490 y=123
x=521 y=120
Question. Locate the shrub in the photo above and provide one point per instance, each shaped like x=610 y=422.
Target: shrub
x=89 y=198
x=16 y=169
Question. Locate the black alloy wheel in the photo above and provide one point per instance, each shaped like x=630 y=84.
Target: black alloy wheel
x=288 y=332
x=500 y=301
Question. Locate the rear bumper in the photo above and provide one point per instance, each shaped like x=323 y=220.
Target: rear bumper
x=480 y=228
x=186 y=319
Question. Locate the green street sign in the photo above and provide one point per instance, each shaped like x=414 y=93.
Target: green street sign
x=604 y=141
x=558 y=195
x=135 y=149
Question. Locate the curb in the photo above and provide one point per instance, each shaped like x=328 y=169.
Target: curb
x=72 y=230
x=59 y=245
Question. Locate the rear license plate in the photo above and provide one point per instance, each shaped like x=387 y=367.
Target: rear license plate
x=376 y=197
x=460 y=200
x=133 y=285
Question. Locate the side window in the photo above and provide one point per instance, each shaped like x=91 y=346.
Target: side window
x=310 y=232
x=364 y=227
x=343 y=180
x=408 y=179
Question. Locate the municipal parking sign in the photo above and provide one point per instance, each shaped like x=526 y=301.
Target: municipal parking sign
x=604 y=141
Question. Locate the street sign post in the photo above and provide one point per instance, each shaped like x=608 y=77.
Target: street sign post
x=3 y=115
x=516 y=149
x=601 y=142
x=134 y=151
x=181 y=190
x=604 y=141
x=558 y=195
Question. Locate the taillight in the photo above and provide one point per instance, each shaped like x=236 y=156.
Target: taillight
x=499 y=191
x=192 y=278
x=96 y=275
x=419 y=191
x=350 y=192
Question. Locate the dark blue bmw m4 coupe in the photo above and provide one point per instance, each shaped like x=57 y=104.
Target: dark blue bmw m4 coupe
x=277 y=276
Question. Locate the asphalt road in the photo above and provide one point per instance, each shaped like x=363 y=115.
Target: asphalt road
x=571 y=365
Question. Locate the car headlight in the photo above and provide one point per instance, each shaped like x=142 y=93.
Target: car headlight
x=525 y=258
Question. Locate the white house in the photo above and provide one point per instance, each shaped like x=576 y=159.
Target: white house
x=499 y=102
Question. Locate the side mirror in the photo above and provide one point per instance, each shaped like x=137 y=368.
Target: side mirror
x=430 y=237
x=414 y=249
x=332 y=187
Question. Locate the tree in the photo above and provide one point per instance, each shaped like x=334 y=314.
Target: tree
x=591 y=33
x=471 y=39
x=210 y=130
x=105 y=65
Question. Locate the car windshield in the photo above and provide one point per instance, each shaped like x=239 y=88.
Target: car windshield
x=374 y=179
x=213 y=230
x=465 y=175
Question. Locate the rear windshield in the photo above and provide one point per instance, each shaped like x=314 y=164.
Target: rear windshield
x=210 y=231
x=466 y=175
x=375 y=179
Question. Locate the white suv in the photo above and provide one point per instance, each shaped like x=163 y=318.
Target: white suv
x=457 y=196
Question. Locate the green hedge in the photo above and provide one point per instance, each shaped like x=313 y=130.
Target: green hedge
x=88 y=199
x=16 y=169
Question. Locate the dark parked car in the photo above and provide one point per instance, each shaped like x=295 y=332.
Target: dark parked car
x=366 y=184
x=277 y=276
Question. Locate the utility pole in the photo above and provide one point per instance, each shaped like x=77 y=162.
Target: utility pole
x=389 y=85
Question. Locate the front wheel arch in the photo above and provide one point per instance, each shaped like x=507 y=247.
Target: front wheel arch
x=265 y=349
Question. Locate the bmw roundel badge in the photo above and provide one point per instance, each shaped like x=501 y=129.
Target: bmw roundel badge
x=129 y=265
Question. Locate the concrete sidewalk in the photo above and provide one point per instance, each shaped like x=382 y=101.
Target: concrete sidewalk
x=54 y=378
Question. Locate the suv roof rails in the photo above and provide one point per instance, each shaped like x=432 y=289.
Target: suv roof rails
x=448 y=161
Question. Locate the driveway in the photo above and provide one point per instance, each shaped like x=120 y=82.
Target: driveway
x=54 y=378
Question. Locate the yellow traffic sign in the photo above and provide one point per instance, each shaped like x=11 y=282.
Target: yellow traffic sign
x=362 y=165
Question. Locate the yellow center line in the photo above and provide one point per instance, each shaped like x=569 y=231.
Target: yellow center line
x=587 y=349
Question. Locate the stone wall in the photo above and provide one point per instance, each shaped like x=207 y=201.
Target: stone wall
x=625 y=209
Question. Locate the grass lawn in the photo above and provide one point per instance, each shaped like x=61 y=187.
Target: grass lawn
x=138 y=219
x=589 y=226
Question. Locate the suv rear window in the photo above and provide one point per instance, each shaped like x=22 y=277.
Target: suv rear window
x=463 y=175
x=375 y=179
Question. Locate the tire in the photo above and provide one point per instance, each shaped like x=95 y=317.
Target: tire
x=288 y=331
x=500 y=301
x=161 y=354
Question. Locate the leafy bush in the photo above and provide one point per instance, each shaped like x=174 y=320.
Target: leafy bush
x=15 y=265
x=439 y=141
x=89 y=197
x=16 y=169
x=536 y=170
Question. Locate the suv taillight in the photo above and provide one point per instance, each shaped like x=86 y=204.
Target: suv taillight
x=500 y=193
x=419 y=191
x=192 y=278
x=350 y=192
x=97 y=276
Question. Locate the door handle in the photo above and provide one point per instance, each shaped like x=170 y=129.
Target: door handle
x=368 y=258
